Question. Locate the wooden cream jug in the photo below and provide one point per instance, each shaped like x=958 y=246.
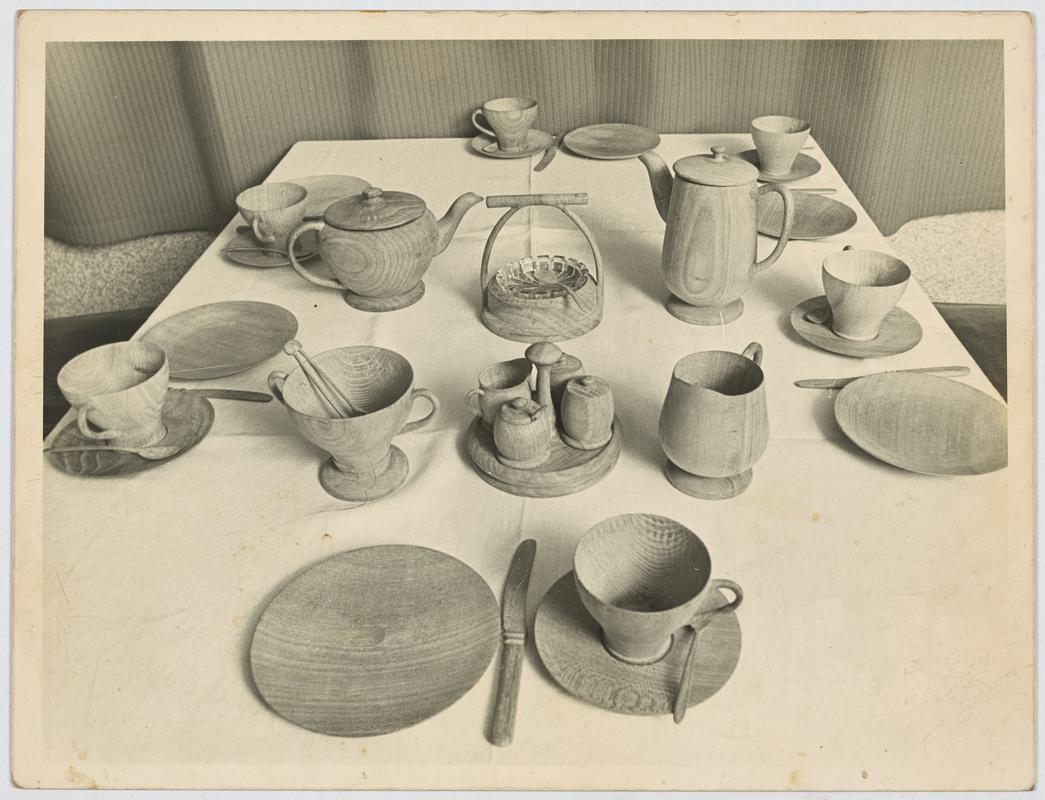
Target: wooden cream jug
x=709 y=254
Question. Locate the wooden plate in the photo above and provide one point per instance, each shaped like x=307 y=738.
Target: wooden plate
x=925 y=423
x=222 y=338
x=569 y=642
x=898 y=334
x=816 y=216
x=188 y=418
x=611 y=141
x=536 y=142
x=803 y=167
x=324 y=190
x=374 y=640
x=246 y=250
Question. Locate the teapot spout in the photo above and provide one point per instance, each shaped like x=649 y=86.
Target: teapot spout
x=447 y=226
x=660 y=179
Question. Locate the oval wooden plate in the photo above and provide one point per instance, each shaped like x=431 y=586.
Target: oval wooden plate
x=925 y=423
x=222 y=338
x=816 y=216
x=374 y=640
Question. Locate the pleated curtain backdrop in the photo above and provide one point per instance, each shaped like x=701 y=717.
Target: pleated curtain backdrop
x=150 y=137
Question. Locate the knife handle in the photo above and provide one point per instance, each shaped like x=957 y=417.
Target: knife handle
x=507 y=691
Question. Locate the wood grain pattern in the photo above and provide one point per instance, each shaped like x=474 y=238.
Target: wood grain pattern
x=587 y=412
x=714 y=423
x=925 y=423
x=499 y=383
x=521 y=434
x=569 y=642
x=325 y=190
x=374 y=640
x=536 y=141
x=862 y=287
x=611 y=140
x=816 y=216
x=778 y=139
x=187 y=418
x=509 y=120
x=221 y=339
x=567 y=470
x=273 y=210
x=899 y=332
x=805 y=166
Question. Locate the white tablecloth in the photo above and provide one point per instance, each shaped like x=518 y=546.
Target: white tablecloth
x=886 y=640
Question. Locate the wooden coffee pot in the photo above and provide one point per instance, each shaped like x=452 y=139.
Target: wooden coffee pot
x=379 y=245
x=708 y=259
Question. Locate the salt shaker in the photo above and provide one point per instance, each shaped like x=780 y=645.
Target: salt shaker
x=560 y=373
x=587 y=413
x=520 y=434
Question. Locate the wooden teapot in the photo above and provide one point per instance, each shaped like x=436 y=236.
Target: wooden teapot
x=708 y=259
x=379 y=245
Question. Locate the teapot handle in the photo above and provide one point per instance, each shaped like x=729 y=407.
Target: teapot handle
x=785 y=232
x=304 y=227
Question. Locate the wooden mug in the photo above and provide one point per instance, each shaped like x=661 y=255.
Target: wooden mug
x=509 y=121
x=643 y=577
x=500 y=383
x=273 y=211
x=120 y=388
x=778 y=140
x=862 y=287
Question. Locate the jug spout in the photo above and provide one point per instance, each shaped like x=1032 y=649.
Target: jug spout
x=447 y=226
x=660 y=179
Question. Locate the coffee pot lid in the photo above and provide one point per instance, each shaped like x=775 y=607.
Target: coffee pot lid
x=374 y=209
x=716 y=169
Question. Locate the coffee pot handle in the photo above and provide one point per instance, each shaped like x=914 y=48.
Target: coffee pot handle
x=785 y=231
x=276 y=380
x=754 y=352
x=304 y=227
x=85 y=427
x=418 y=423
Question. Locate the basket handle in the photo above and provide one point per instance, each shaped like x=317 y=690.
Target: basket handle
x=523 y=200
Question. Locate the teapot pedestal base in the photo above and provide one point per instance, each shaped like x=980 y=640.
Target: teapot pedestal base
x=704 y=315
x=391 y=303
x=361 y=489
x=706 y=488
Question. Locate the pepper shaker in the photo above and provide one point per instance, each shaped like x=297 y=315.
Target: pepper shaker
x=587 y=413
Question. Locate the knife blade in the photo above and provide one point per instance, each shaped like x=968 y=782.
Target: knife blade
x=231 y=394
x=549 y=154
x=838 y=383
x=513 y=635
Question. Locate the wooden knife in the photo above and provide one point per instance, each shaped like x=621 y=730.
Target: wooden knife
x=838 y=383
x=513 y=633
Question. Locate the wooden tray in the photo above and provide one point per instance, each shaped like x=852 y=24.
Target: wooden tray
x=222 y=338
x=569 y=642
x=374 y=640
x=899 y=333
x=566 y=471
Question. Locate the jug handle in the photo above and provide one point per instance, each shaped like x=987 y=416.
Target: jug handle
x=785 y=232
x=754 y=352
x=304 y=227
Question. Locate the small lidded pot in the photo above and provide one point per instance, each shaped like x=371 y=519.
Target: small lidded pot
x=561 y=372
x=520 y=434
x=587 y=413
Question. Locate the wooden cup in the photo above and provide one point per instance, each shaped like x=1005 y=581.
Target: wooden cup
x=379 y=384
x=778 y=140
x=509 y=121
x=643 y=577
x=500 y=383
x=862 y=287
x=120 y=388
x=273 y=210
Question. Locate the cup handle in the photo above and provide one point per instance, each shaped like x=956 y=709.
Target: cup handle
x=305 y=227
x=418 y=423
x=785 y=231
x=738 y=597
x=754 y=352
x=276 y=380
x=473 y=400
x=261 y=233
x=483 y=128
x=85 y=427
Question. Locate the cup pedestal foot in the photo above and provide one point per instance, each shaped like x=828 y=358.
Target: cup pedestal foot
x=363 y=488
x=704 y=315
x=391 y=303
x=706 y=488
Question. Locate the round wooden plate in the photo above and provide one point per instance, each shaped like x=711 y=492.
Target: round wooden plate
x=925 y=423
x=611 y=141
x=804 y=166
x=222 y=338
x=536 y=142
x=374 y=640
x=569 y=642
x=899 y=333
x=325 y=190
x=188 y=418
x=816 y=216
x=566 y=471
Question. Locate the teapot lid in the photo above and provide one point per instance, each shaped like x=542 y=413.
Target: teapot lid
x=374 y=209
x=716 y=169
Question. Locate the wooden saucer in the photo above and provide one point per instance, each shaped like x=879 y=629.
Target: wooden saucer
x=536 y=142
x=567 y=470
x=816 y=216
x=899 y=333
x=187 y=416
x=611 y=141
x=374 y=640
x=249 y=252
x=804 y=166
x=352 y=488
x=569 y=642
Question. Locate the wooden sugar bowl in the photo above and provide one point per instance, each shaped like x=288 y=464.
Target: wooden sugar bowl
x=541 y=447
